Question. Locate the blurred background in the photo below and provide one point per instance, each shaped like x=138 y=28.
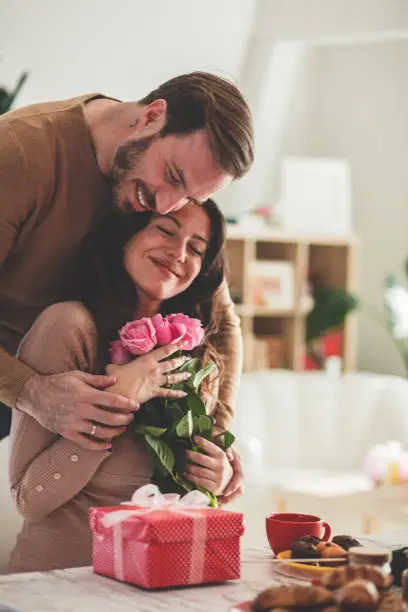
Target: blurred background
x=325 y=78
x=324 y=211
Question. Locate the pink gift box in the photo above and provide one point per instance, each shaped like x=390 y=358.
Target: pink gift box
x=153 y=547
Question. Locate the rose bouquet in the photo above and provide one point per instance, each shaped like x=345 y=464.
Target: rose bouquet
x=169 y=425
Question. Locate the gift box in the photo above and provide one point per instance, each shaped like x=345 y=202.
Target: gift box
x=166 y=543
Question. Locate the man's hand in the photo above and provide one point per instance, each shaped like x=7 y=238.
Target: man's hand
x=73 y=405
x=234 y=488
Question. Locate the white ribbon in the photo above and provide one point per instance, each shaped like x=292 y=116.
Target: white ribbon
x=149 y=499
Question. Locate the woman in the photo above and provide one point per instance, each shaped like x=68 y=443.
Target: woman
x=147 y=264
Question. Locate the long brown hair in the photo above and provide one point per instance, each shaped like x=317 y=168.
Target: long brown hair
x=105 y=288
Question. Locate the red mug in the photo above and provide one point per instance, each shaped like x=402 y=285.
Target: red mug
x=284 y=528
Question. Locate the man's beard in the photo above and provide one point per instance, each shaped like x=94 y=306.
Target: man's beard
x=124 y=163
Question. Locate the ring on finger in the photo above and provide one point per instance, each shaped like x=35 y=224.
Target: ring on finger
x=93 y=430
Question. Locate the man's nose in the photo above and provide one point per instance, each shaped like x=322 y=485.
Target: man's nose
x=166 y=202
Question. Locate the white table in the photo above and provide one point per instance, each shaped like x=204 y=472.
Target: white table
x=79 y=589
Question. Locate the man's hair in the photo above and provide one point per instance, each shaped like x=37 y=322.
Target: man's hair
x=204 y=101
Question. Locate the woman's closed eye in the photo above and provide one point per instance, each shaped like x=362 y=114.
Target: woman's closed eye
x=164 y=230
x=192 y=247
x=196 y=251
x=172 y=177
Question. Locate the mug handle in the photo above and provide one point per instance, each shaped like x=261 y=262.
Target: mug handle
x=327 y=531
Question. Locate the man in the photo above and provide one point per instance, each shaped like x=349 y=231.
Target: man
x=62 y=167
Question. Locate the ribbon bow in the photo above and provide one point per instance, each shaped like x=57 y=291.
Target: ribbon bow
x=149 y=499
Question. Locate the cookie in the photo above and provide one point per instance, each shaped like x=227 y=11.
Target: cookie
x=392 y=602
x=345 y=541
x=358 y=596
x=328 y=550
x=304 y=550
x=293 y=598
x=339 y=577
x=310 y=539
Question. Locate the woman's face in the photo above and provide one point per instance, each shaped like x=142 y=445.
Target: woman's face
x=164 y=258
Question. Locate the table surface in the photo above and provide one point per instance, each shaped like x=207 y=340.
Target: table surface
x=80 y=589
x=77 y=589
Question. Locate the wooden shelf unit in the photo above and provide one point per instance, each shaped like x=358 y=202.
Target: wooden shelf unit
x=333 y=259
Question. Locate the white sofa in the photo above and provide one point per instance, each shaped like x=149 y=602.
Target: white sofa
x=304 y=438
x=299 y=433
x=10 y=520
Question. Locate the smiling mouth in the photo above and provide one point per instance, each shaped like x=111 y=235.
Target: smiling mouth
x=144 y=198
x=164 y=267
x=141 y=198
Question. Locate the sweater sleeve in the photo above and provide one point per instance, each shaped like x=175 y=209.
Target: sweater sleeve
x=228 y=342
x=17 y=200
x=46 y=471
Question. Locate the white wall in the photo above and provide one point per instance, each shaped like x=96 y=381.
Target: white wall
x=352 y=102
x=123 y=48
x=360 y=112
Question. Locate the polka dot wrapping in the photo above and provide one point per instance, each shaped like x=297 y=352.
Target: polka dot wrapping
x=162 y=548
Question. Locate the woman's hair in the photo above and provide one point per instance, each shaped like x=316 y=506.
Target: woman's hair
x=106 y=289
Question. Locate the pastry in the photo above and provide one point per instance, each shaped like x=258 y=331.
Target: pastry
x=304 y=550
x=345 y=541
x=293 y=597
x=392 y=603
x=310 y=539
x=328 y=550
x=341 y=576
x=358 y=596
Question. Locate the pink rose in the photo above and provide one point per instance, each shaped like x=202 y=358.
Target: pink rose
x=138 y=337
x=166 y=332
x=190 y=329
x=119 y=355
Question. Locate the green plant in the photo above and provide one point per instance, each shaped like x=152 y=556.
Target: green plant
x=331 y=305
x=7 y=98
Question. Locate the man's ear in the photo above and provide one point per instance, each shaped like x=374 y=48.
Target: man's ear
x=153 y=117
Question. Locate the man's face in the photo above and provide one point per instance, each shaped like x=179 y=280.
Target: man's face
x=163 y=174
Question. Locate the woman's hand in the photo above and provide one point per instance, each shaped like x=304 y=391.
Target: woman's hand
x=212 y=471
x=145 y=377
x=235 y=487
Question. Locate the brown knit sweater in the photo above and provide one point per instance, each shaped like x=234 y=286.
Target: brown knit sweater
x=51 y=192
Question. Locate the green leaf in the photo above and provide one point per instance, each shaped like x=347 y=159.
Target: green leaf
x=184 y=427
x=229 y=439
x=191 y=366
x=203 y=373
x=203 y=425
x=151 y=413
x=175 y=410
x=195 y=404
x=140 y=428
x=186 y=484
x=211 y=496
x=156 y=432
x=180 y=456
x=198 y=449
x=162 y=451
